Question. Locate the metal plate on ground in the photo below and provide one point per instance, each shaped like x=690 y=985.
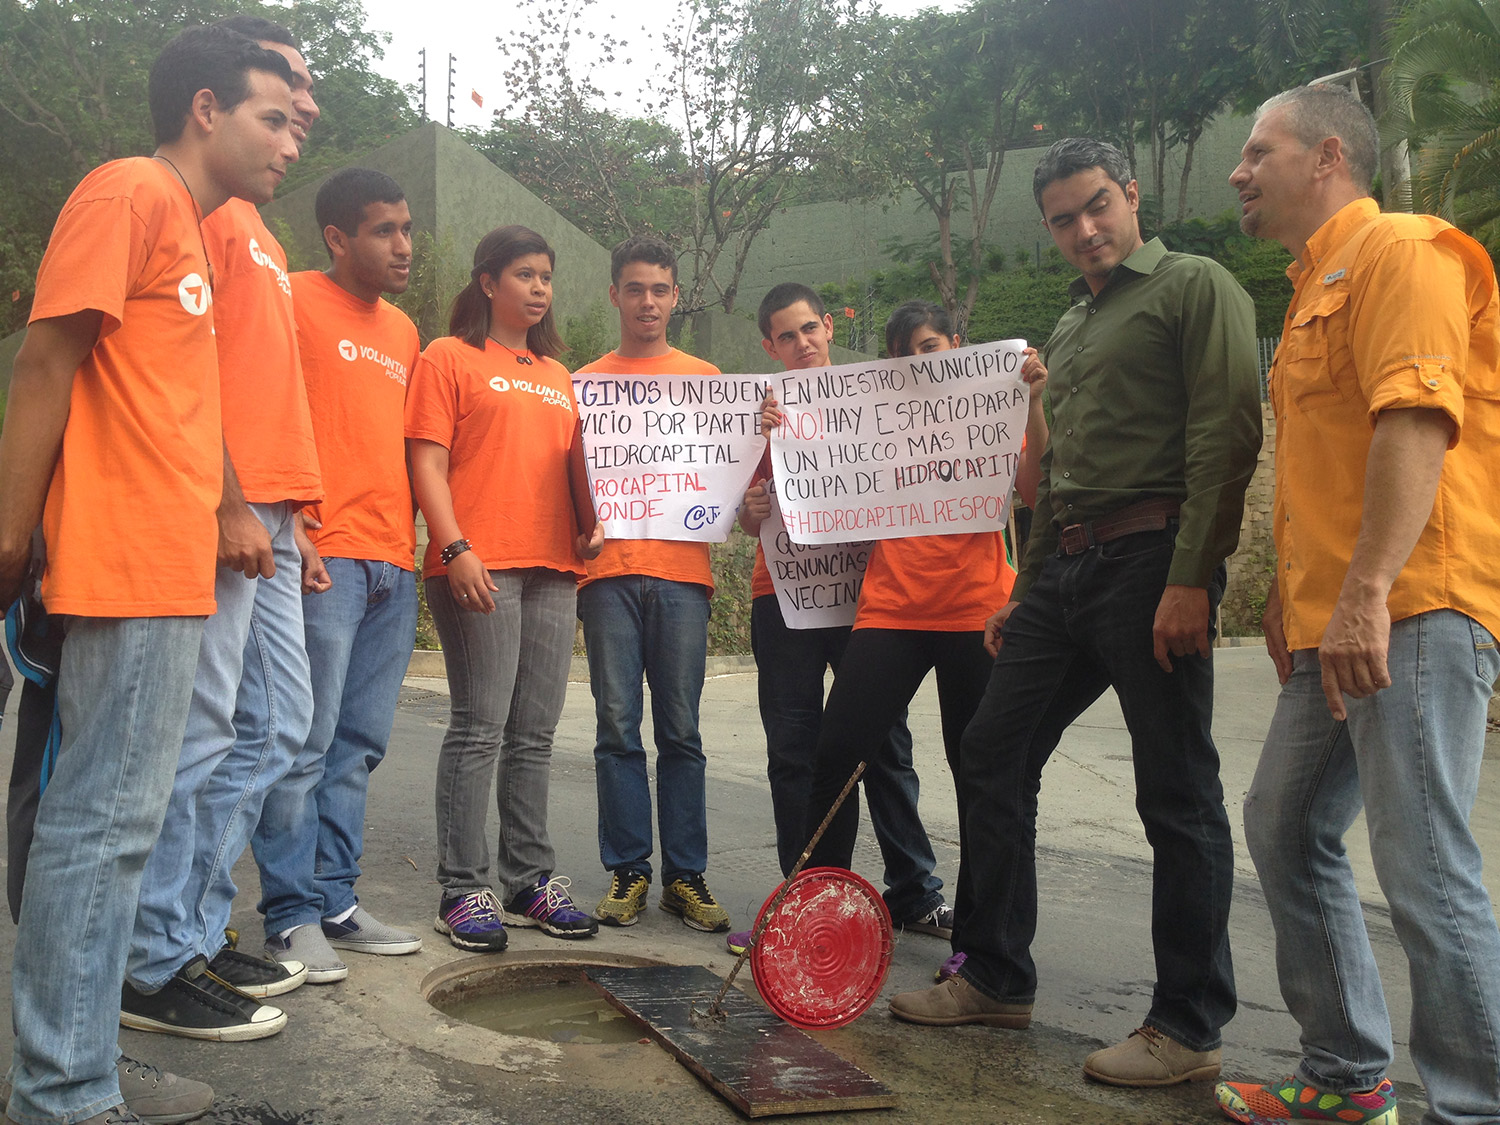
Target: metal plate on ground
x=759 y=1064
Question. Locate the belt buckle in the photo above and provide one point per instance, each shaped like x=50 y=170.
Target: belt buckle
x=1075 y=538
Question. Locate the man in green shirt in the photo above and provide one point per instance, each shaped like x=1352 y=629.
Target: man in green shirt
x=1155 y=433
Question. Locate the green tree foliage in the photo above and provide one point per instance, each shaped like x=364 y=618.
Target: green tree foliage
x=1153 y=83
x=73 y=95
x=940 y=113
x=1444 y=84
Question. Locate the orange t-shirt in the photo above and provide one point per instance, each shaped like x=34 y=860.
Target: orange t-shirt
x=357 y=358
x=267 y=426
x=130 y=515
x=660 y=558
x=508 y=428
x=935 y=583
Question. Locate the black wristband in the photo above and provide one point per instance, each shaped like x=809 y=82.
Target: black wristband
x=453 y=550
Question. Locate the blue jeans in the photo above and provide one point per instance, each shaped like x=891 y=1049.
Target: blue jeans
x=1410 y=755
x=124 y=689
x=791 y=664
x=507 y=679
x=1083 y=626
x=636 y=625
x=252 y=706
x=311 y=834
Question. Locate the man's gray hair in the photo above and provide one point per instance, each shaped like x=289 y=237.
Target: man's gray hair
x=1072 y=155
x=1314 y=113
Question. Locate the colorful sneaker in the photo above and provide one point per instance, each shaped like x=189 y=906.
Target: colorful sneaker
x=950 y=967
x=938 y=922
x=472 y=921
x=738 y=942
x=688 y=897
x=1294 y=1100
x=622 y=903
x=548 y=907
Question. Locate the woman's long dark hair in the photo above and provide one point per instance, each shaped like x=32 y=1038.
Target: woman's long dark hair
x=906 y=318
x=470 y=318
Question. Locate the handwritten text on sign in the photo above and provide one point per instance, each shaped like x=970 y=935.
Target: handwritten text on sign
x=817 y=585
x=922 y=445
x=670 y=456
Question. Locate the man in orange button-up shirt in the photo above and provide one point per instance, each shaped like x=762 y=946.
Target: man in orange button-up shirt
x=1381 y=623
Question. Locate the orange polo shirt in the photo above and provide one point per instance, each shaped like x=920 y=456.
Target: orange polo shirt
x=1388 y=312
x=669 y=559
x=357 y=358
x=130 y=514
x=508 y=428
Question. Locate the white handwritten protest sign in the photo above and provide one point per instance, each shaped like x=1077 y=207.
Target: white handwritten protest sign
x=817 y=585
x=923 y=445
x=670 y=456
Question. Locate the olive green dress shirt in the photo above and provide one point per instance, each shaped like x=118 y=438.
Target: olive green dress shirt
x=1154 y=392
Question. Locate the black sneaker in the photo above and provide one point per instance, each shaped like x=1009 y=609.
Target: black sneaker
x=196 y=1004
x=256 y=976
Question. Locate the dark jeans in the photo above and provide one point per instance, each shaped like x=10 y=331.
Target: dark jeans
x=1083 y=626
x=880 y=672
x=791 y=664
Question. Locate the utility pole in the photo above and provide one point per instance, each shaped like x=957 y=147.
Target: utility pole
x=451 y=60
x=422 y=81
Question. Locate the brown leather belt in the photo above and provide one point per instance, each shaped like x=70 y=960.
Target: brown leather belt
x=1147 y=515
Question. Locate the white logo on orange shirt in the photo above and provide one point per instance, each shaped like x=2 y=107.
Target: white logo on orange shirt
x=192 y=291
x=348 y=350
x=551 y=395
x=261 y=258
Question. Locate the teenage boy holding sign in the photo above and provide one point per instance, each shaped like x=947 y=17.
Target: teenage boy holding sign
x=644 y=608
x=796 y=332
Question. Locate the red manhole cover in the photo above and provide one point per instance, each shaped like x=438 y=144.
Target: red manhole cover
x=822 y=957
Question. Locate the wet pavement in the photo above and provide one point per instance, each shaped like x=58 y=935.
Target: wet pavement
x=371 y=1049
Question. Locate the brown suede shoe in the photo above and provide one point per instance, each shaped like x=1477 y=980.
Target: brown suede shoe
x=1150 y=1058
x=956 y=1001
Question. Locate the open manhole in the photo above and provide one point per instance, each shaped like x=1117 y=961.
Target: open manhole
x=549 y=999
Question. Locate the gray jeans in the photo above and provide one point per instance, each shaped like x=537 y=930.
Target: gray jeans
x=507 y=677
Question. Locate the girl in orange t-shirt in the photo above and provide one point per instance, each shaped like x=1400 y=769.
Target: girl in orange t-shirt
x=923 y=606
x=490 y=420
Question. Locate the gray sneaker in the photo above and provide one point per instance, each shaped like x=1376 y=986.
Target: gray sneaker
x=155 y=1097
x=307 y=944
x=159 y=1097
x=364 y=933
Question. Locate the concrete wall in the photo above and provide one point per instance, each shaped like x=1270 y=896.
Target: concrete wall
x=821 y=243
x=458 y=194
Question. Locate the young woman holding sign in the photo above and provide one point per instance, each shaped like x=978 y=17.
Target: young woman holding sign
x=490 y=424
x=923 y=606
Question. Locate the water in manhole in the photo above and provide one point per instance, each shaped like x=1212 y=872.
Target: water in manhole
x=557 y=1004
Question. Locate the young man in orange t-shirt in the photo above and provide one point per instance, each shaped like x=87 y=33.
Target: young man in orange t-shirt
x=119 y=361
x=252 y=702
x=357 y=355
x=644 y=607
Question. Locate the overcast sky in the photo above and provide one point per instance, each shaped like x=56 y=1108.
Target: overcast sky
x=468 y=30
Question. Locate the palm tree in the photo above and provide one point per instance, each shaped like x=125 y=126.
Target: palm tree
x=1444 y=83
